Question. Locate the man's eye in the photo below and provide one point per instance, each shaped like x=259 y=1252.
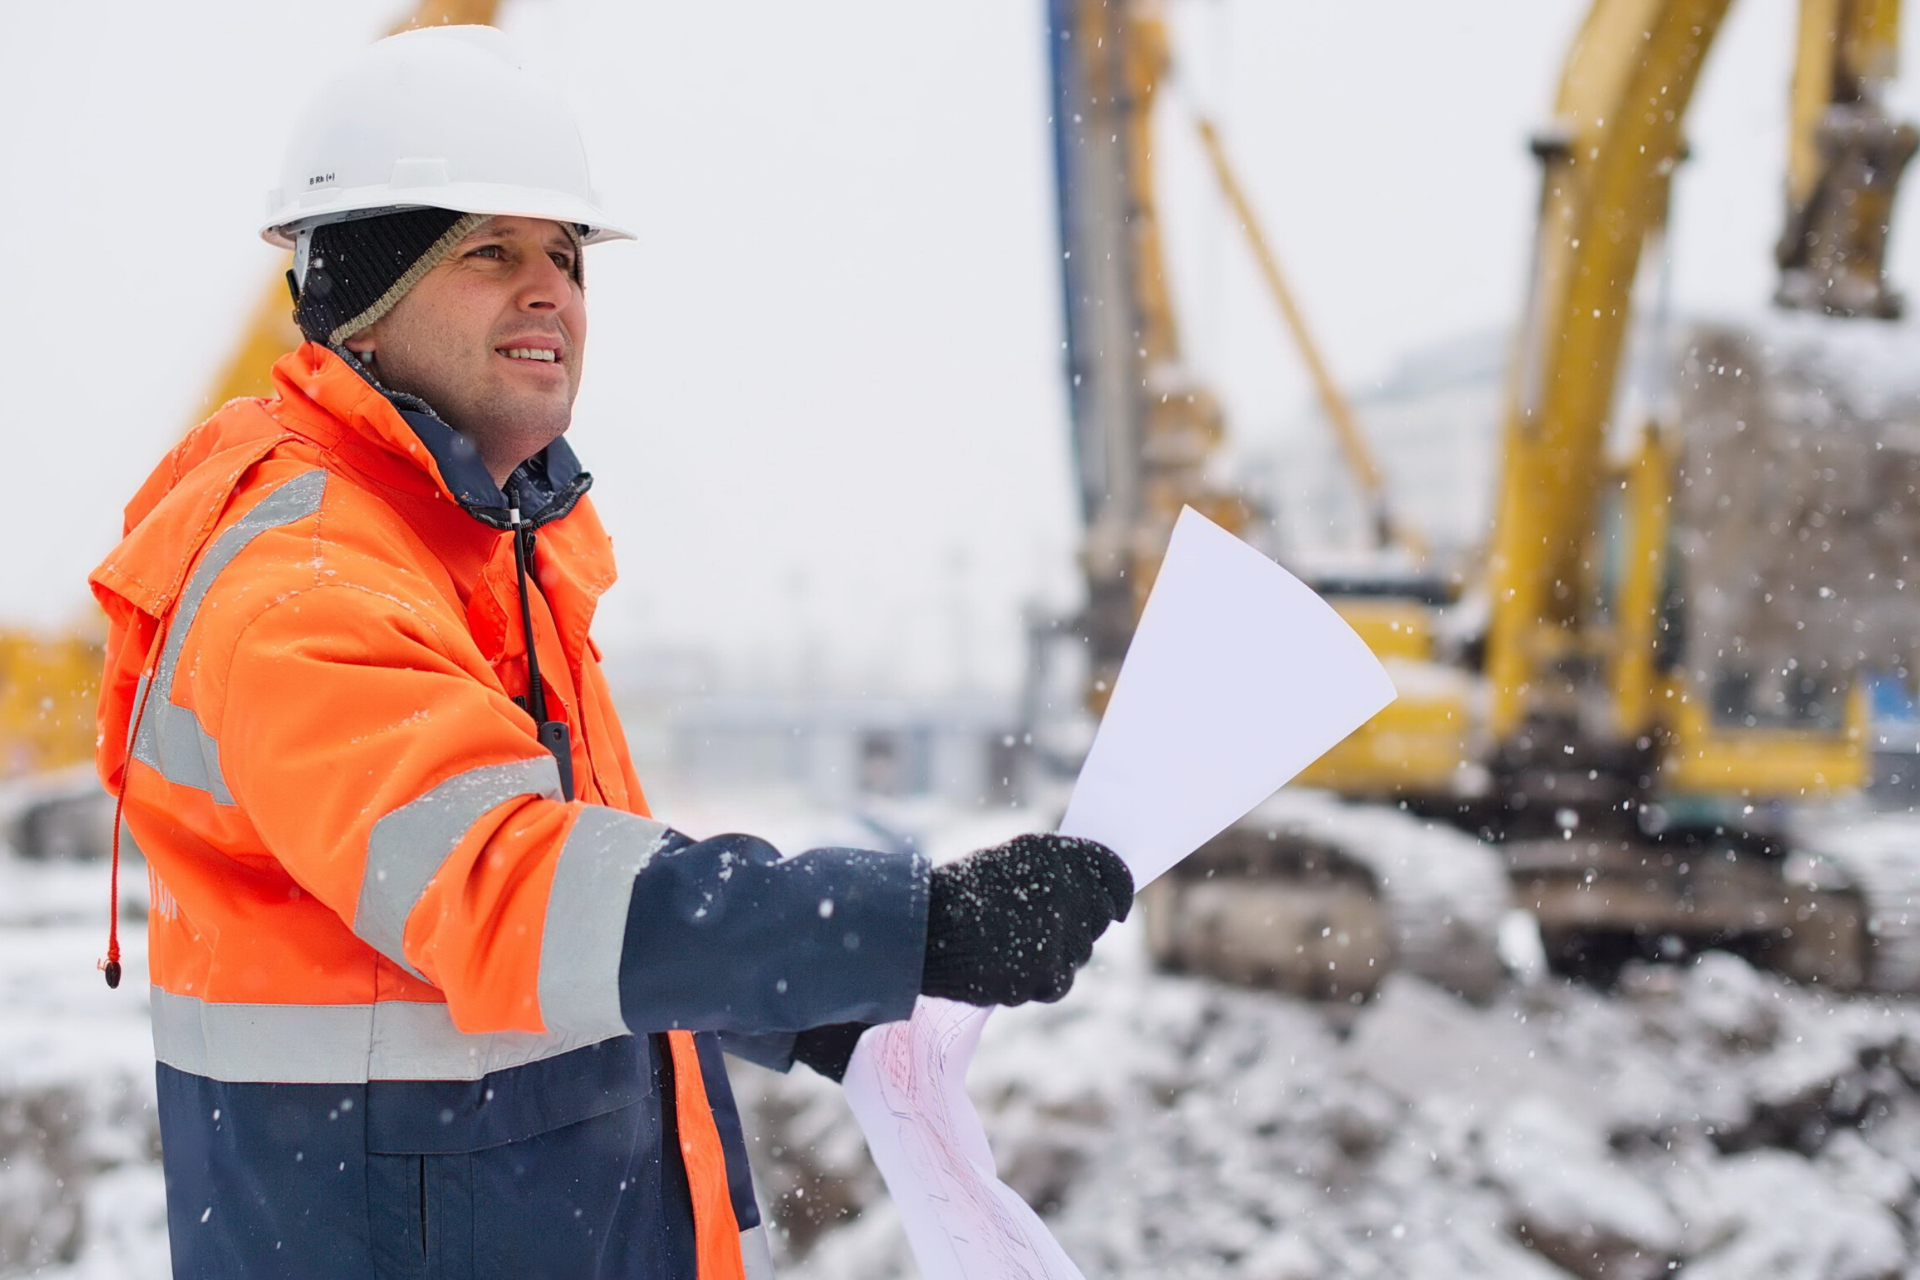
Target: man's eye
x=492 y=250
x=562 y=261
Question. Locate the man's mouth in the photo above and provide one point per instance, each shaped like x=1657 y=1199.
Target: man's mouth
x=543 y=354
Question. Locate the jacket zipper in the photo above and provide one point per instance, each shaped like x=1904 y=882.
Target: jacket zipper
x=553 y=733
x=426 y=1249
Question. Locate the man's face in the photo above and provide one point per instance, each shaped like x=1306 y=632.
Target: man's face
x=491 y=338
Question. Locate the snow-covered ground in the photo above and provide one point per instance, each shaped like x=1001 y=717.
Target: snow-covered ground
x=1713 y=1118
x=80 y=1188
x=1711 y=1121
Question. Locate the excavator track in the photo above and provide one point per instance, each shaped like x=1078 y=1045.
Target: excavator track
x=1878 y=856
x=1321 y=898
x=1602 y=901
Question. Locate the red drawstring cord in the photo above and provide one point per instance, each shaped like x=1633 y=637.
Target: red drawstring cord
x=111 y=965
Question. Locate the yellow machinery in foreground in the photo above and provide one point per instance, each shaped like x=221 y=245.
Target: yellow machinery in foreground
x=1561 y=732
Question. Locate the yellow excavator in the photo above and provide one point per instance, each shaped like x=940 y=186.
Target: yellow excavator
x=1543 y=712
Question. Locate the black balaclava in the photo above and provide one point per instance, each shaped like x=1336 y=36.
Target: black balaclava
x=358 y=270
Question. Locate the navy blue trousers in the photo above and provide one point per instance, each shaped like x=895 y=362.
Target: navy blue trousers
x=277 y=1183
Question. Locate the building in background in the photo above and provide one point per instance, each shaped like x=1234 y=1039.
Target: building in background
x=843 y=750
x=837 y=749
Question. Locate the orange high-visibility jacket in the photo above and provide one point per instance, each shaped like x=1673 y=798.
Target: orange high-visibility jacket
x=368 y=888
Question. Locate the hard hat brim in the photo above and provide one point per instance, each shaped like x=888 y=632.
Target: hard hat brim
x=339 y=203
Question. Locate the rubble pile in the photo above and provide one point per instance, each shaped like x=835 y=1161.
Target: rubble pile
x=1713 y=1121
x=1796 y=510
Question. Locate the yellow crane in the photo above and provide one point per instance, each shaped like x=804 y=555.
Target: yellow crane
x=1388 y=530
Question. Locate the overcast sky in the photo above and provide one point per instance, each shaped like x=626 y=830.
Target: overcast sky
x=823 y=400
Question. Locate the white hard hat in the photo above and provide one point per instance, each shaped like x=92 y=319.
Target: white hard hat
x=442 y=117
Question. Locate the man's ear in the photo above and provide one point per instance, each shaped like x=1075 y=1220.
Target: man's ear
x=363 y=343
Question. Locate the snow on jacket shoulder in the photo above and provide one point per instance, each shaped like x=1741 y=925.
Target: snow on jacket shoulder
x=365 y=871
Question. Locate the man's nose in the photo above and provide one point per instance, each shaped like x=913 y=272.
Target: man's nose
x=546 y=286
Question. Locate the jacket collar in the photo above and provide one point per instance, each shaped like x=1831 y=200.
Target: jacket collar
x=545 y=487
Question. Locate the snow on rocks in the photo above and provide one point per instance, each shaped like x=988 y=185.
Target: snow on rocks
x=1707 y=1121
x=1418 y=1043
x=1572 y=1199
x=1782 y=1217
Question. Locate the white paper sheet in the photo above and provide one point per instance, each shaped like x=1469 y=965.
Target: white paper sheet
x=1238 y=677
x=907 y=1087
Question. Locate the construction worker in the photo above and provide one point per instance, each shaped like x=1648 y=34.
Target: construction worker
x=432 y=994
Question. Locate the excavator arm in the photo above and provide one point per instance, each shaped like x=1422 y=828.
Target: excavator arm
x=1845 y=158
x=1607 y=162
x=1607 y=166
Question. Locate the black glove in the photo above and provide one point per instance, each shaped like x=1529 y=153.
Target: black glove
x=829 y=1049
x=1010 y=924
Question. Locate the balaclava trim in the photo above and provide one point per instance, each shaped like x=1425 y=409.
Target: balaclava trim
x=453 y=235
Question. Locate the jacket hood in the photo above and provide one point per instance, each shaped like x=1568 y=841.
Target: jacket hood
x=175 y=511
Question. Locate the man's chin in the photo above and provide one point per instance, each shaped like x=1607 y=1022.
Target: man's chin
x=522 y=408
x=521 y=427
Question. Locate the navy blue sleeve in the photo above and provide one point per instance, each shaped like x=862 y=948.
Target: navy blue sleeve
x=725 y=935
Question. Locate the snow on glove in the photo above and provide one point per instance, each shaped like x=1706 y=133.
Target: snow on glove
x=1011 y=924
x=829 y=1049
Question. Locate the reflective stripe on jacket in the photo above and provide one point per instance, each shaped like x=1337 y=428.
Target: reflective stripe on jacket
x=375 y=916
